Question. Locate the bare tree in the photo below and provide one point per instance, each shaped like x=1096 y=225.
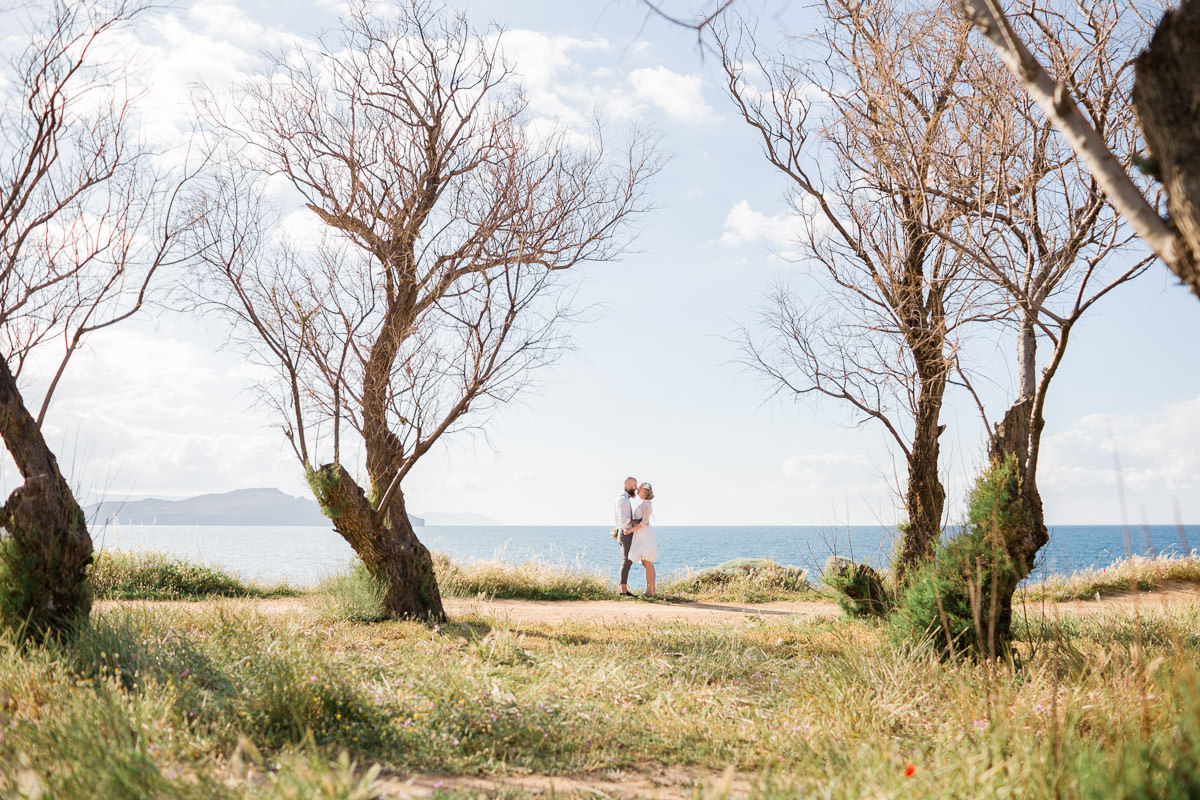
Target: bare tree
x=1167 y=90
x=435 y=289
x=1044 y=232
x=85 y=223
x=870 y=131
x=1166 y=94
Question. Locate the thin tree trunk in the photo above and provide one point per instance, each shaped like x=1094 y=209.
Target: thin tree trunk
x=1166 y=95
x=47 y=547
x=385 y=542
x=925 y=497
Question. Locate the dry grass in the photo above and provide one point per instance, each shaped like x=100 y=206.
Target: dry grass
x=188 y=702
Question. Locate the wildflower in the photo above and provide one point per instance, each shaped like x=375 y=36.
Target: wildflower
x=910 y=770
x=980 y=724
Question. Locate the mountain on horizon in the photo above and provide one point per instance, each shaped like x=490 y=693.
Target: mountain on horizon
x=239 y=507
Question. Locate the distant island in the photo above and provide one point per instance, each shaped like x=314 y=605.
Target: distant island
x=239 y=507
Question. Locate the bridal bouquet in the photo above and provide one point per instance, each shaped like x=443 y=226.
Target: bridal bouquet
x=616 y=534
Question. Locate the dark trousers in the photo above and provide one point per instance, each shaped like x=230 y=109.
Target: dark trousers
x=626 y=541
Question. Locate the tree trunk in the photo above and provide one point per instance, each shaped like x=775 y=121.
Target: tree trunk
x=1166 y=95
x=925 y=497
x=47 y=548
x=386 y=543
x=1017 y=435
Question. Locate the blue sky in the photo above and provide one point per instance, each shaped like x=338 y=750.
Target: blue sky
x=653 y=387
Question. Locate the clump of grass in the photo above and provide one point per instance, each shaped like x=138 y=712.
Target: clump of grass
x=744 y=580
x=961 y=599
x=353 y=596
x=159 y=576
x=1137 y=572
x=533 y=580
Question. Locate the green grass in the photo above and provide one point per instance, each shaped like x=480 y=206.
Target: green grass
x=1134 y=573
x=220 y=701
x=158 y=576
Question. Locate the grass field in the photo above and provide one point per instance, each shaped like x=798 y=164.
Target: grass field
x=247 y=698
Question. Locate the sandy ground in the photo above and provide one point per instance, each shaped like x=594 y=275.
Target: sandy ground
x=1169 y=596
x=620 y=611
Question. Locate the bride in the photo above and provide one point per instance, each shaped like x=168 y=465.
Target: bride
x=644 y=547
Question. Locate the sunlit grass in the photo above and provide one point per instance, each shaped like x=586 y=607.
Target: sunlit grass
x=1133 y=573
x=219 y=701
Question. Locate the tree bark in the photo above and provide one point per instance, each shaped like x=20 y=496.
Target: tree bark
x=925 y=497
x=47 y=547
x=1166 y=95
x=385 y=542
x=1015 y=434
x=1018 y=434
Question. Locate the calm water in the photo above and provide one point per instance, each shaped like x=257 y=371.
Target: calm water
x=304 y=554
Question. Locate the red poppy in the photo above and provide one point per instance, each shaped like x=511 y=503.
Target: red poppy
x=909 y=771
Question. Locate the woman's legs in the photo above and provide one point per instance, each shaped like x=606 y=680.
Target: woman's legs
x=649 y=565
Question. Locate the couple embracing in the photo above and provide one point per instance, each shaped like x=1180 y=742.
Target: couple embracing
x=635 y=534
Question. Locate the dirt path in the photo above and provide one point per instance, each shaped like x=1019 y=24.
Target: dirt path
x=603 y=612
x=620 y=611
x=666 y=783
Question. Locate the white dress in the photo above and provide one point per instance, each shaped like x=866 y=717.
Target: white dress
x=644 y=546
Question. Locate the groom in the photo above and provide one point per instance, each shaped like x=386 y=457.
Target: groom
x=623 y=512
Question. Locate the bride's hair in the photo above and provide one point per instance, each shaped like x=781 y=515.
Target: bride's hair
x=649 y=490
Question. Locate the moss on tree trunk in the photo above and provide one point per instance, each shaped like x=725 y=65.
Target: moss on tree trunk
x=385 y=542
x=46 y=548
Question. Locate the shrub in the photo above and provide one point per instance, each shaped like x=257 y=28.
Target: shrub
x=744 y=580
x=962 y=598
x=858 y=588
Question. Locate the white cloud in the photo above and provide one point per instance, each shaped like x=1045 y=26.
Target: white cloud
x=142 y=412
x=556 y=84
x=1159 y=455
x=837 y=472
x=681 y=97
x=744 y=225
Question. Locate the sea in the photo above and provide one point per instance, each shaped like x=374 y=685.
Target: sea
x=303 y=555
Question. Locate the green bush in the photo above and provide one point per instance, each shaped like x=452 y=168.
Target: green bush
x=961 y=599
x=859 y=589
